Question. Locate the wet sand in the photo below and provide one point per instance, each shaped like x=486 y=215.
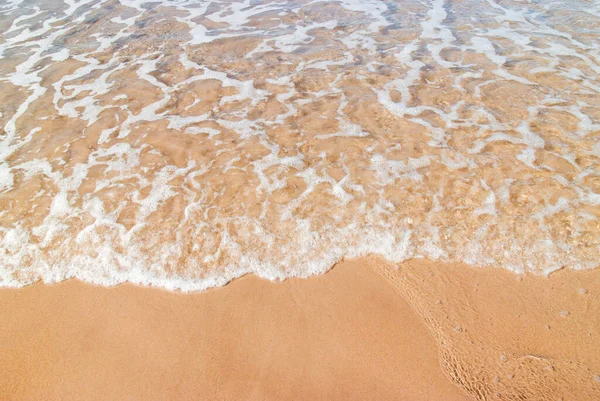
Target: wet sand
x=504 y=336
x=427 y=331
x=346 y=335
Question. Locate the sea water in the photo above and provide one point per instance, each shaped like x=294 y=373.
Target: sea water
x=182 y=144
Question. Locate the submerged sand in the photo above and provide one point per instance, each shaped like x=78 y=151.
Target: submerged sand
x=182 y=144
x=346 y=335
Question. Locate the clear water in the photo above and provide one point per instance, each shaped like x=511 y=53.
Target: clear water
x=185 y=143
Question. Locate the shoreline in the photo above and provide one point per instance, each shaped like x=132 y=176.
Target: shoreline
x=423 y=331
x=325 y=337
x=221 y=176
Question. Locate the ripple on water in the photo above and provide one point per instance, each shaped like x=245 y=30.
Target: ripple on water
x=183 y=144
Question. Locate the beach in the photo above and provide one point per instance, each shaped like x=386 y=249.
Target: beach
x=342 y=336
x=366 y=330
x=284 y=200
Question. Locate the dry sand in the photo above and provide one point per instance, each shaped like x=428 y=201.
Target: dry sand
x=346 y=335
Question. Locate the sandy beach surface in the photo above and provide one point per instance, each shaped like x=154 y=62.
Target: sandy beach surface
x=178 y=177
x=504 y=336
x=346 y=335
x=423 y=332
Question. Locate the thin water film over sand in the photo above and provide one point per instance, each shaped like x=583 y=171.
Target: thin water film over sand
x=185 y=143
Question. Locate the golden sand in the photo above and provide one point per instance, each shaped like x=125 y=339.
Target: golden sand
x=345 y=335
x=350 y=334
x=509 y=337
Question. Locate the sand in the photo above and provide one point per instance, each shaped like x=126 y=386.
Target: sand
x=346 y=335
x=504 y=336
x=425 y=331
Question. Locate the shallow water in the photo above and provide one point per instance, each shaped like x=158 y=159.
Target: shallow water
x=184 y=143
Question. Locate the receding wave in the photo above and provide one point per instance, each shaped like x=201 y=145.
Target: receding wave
x=182 y=143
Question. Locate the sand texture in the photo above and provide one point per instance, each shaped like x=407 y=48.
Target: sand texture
x=509 y=337
x=184 y=145
x=345 y=335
